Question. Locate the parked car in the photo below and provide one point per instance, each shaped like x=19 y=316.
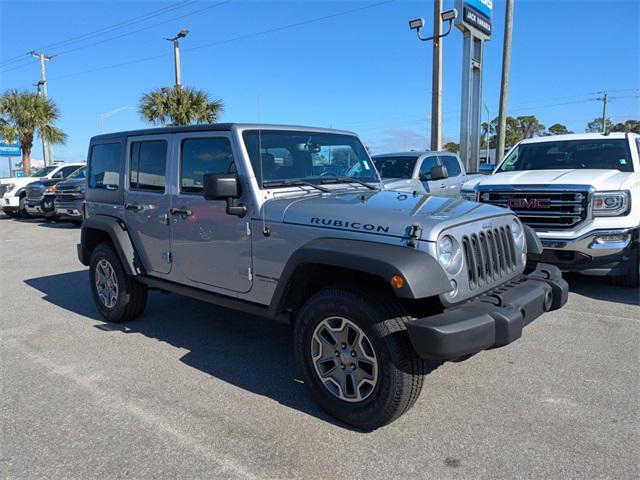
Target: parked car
x=41 y=197
x=581 y=193
x=70 y=196
x=13 y=190
x=437 y=173
x=372 y=281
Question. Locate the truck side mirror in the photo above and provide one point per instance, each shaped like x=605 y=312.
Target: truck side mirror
x=486 y=169
x=439 y=172
x=224 y=186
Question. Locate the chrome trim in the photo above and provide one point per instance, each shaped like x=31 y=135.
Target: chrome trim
x=586 y=243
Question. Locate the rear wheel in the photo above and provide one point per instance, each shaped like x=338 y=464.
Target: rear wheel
x=118 y=296
x=356 y=358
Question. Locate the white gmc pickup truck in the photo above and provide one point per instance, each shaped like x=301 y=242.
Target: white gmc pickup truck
x=581 y=193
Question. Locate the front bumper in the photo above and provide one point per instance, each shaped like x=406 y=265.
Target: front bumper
x=69 y=208
x=10 y=201
x=42 y=207
x=494 y=319
x=590 y=254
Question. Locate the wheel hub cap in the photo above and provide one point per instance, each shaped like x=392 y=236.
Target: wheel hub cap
x=344 y=359
x=106 y=283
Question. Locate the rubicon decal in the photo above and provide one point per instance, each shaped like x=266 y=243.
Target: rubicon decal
x=369 y=227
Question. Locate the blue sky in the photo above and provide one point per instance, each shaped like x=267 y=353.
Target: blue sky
x=363 y=71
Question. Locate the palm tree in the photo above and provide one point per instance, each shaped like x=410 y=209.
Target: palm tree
x=179 y=106
x=22 y=114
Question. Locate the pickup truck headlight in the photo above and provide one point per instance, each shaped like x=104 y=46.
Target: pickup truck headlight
x=468 y=195
x=51 y=189
x=610 y=204
x=449 y=254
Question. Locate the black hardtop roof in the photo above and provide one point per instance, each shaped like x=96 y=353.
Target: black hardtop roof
x=205 y=128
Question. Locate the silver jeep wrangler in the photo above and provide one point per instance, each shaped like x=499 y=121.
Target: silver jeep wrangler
x=291 y=223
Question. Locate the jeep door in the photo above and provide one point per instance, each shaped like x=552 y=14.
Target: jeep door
x=147 y=199
x=208 y=245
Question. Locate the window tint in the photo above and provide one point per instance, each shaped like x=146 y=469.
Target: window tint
x=452 y=165
x=104 y=166
x=204 y=155
x=148 y=165
x=427 y=164
x=80 y=173
x=66 y=171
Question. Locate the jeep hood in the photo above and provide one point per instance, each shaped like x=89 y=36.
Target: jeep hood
x=380 y=213
x=599 y=179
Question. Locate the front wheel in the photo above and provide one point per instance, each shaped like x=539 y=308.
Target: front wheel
x=356 y=358
x=118 y=296
x=22 y=208
x=632 y=278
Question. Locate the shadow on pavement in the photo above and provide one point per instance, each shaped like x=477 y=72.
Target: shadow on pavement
x=601 y=288
x=252 y=353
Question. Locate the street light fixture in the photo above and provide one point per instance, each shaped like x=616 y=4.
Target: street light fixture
x=176 y=53
x=448 y=16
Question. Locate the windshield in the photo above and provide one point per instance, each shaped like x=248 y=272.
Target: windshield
x=43 y=172
x=286 y=155
x=395 y=167
x=80 y=173
x=574 y=154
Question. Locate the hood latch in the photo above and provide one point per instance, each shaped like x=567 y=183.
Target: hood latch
x=415 y=232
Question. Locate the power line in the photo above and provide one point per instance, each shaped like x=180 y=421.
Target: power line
x=221 y=42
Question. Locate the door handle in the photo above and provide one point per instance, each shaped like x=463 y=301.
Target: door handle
x=133 y=206
x=443 y=186
x=180 y=211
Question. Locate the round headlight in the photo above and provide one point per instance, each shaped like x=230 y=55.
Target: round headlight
x=449 y=254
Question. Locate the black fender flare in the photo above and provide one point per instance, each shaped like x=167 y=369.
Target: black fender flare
x=534 y=245
x=120 y=238
x=423 y=275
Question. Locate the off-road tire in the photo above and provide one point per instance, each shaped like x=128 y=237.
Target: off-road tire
x=383 y=320
x=131 y=297
x=632 y=278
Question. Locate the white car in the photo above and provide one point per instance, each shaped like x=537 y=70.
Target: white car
x=13 y=190
x=581 y=193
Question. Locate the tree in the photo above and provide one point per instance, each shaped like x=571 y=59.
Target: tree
x=452 y=147
x=25 y=113
x=513 y=131
x=629 y=126
x=529 y=126
x=179 y=106
x=596 y=125
x=558 y=129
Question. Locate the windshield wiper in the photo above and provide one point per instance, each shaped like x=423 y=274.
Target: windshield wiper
x=293 y=183
x=348 y=180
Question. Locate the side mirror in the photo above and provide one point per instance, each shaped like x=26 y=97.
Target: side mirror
x=224 y=186
x=439 y=172
x=57 y=175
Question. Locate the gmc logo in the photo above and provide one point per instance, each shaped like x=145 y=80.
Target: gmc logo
x=529 y=203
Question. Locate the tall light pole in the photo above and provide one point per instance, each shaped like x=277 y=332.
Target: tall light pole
x=488 y=131
x=104 y=115
x=40 y=86
x=603 y=99
x=176 y=54
x=504 y=84
x=42 y=89
x=436 y=85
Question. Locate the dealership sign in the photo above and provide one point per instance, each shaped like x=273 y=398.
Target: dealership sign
x=9 y=149
x=474 y=16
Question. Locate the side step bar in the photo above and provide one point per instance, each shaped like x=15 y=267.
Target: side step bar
x=214 y=298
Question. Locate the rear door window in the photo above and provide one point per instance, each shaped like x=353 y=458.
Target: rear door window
x=148 y=165
x=104 y=166
x=452 y=165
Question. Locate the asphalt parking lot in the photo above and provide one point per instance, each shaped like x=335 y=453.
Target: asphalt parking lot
x=194 y=391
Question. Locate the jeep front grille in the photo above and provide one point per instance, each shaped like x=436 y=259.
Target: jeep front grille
x=543 y=209
x=490 y=256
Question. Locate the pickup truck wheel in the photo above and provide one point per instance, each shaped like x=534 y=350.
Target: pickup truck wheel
x=118 y=296
x=632 y=278
x=22 y=208
x=356 y=358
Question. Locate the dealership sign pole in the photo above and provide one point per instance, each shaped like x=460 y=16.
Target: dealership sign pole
x=474 y=20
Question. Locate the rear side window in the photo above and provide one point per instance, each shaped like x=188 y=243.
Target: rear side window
x=148 y=165
x=452 y=165
x=104 y=166
x=204 y=155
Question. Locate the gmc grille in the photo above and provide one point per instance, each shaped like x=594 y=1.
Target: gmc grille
x=543 y=210
x=490 y=256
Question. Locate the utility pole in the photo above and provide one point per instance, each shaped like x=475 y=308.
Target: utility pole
x=436 y=83
x=504 y=85
x=604 y=112
x=176 y=54
x=488 y=131
x=42 y=90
